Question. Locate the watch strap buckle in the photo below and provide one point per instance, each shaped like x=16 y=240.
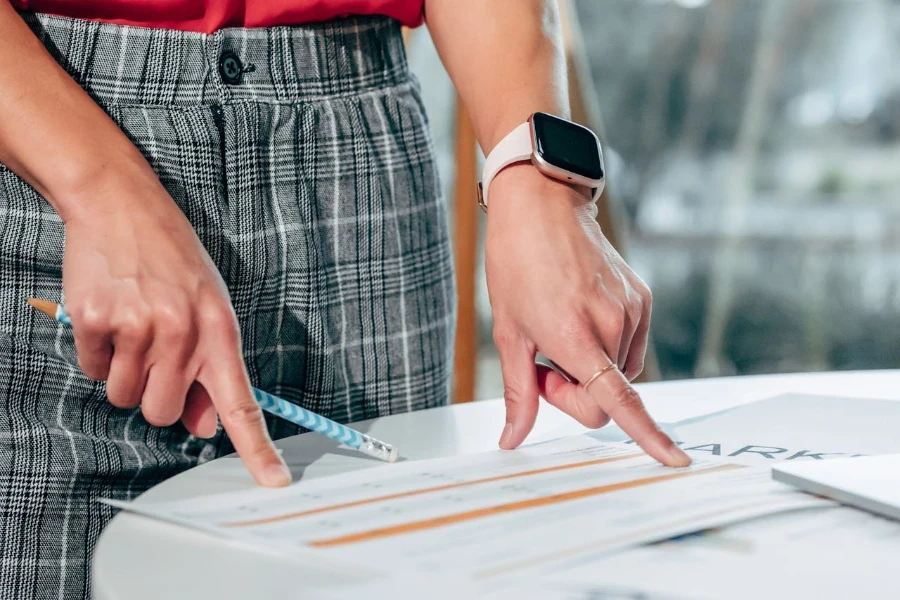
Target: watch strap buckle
x=479 y=190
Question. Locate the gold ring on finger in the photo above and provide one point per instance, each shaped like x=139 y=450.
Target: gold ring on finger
x=597 y=375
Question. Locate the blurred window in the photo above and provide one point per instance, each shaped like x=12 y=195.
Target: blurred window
x=755 y=145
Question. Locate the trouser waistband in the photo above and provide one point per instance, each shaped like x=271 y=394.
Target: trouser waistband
x=120 y=64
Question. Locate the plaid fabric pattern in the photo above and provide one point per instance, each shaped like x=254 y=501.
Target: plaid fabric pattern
x=312 y=184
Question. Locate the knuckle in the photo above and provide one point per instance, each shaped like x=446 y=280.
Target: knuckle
x=153 y=416
x=616 y=319
x=91 y=323
x=627 y=399
x=504 y=335
x=172 y=320
x=217 y=314
x=639 y=284
x=590 y=414
x=157 y=413
x=244 y=415
x=595 y=418
x=92 y=368
x=512 y=392
x=88 y=317
x=642 y=291
x=121 y=398
x=634 y=302
x=132 y=324
x=220 y=317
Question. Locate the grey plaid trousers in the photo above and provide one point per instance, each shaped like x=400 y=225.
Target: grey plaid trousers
x=306 y=168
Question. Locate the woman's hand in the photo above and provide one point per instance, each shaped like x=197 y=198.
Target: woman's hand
x=557 y=286
x=152 y=317
x=150 y=313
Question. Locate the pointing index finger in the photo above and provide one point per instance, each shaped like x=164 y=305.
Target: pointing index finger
x=623 y=404
x=243 y=420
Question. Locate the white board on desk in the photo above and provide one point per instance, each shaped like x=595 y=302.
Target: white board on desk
x=870 y=483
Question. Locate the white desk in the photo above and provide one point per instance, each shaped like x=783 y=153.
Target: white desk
x=139 y=559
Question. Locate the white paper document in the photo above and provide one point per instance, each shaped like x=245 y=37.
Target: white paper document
x=790 y=427
x=493 y=515
x=825 y=553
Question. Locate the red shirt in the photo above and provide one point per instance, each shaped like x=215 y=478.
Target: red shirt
x=206 y=16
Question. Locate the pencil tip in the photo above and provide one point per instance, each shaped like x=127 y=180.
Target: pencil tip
x=45 y=306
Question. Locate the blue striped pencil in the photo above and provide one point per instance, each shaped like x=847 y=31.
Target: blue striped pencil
x=277 y=406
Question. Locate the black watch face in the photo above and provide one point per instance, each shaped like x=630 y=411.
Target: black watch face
x=568 y=146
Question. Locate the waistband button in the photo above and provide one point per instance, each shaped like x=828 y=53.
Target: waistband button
x=230 y=68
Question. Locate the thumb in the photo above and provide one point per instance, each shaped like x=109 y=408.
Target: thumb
x=520 y=389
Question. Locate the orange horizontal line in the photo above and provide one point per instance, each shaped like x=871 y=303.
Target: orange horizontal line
x=439 y=488
x=433 y=523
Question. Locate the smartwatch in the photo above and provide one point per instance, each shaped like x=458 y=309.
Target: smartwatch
x=558 y=148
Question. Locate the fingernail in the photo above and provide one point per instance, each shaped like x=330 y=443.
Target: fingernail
x=679 y=457
x=276 y=475
x=506 y=435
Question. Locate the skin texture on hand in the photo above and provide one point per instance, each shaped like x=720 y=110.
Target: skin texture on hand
x=150 y=313
x=558 y=286
x=152 y=317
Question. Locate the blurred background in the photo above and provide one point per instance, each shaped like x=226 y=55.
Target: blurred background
x=753 y=151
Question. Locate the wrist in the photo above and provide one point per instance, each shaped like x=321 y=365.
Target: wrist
x=523 y=182
x=101 y=185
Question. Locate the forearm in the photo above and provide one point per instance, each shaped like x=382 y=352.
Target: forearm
x=505 y=57
x=52 y=134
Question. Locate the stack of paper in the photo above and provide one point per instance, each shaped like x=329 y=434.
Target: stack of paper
x=825 y=553
x=492 y=515
x=543 y=521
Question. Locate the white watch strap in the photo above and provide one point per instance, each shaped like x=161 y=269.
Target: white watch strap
x=515 y=147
